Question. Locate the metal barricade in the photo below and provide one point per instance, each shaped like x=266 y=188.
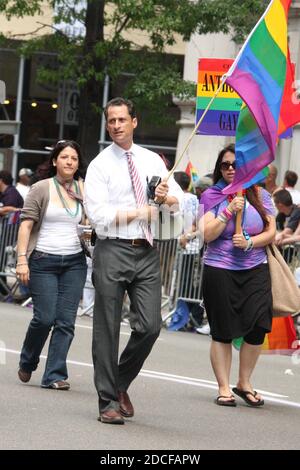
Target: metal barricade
x=187 y=276
x=291 y=254
x=168 y=258
x=9 y=227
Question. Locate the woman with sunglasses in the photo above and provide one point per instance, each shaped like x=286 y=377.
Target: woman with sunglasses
x=236 y=285
x=51 y=261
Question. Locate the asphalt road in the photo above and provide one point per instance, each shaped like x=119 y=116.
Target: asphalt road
x=173 y=399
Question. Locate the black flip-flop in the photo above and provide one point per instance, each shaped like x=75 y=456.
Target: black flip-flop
x=243 y=395
x=220 y=402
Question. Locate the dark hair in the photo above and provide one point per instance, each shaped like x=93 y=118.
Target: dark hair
x=182 y=179
x=217 y=171
x=283 y=196
x=6 y=177
x=253 y=196
x=59 y=146
x=291 y=178
x=252 y=193
x=120 y=102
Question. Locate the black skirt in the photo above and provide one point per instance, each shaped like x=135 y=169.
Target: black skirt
x=237 y=301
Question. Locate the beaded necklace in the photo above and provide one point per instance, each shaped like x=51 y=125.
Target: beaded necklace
x=63 y=201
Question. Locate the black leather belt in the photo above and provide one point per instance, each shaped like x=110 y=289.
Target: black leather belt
x=133 y=242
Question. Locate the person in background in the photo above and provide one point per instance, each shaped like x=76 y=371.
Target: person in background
x=289 y=183
x=51 y=260
x=24 y=182
x=189 y=243
x=125 y=258
x=290 y=240
x=201 y=185
x=288 y=216
x=190 y=201
x=42 y=170
x=270 y=182
x=10 y=198
x=236 y=282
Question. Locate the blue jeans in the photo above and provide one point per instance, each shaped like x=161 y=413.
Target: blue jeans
x=56 y=283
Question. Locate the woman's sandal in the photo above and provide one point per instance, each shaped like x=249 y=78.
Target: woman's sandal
x=229 y=402
x=243 y=395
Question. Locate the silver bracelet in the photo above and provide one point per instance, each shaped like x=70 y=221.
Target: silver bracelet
x=222 y=218
x=249 y=246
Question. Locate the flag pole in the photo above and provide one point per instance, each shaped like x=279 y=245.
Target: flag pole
x=196 y=127
x=238 y=220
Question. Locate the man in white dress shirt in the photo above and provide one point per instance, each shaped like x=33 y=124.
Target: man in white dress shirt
x=124 y=257
x=23 y=185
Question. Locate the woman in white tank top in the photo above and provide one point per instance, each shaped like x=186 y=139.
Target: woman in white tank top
x=52 y=263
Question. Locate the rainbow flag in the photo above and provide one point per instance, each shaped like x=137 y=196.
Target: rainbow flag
x=290 y=105
x=281 y=340
x=259 y=177
x=258 y=75
x=192 y=172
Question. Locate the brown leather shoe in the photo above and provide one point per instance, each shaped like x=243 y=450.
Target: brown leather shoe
x=24 y=376
x=111 y=416
x=126 y=407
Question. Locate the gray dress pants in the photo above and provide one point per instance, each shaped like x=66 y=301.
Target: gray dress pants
x=118 y=266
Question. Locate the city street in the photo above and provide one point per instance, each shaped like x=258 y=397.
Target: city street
x=173 y=399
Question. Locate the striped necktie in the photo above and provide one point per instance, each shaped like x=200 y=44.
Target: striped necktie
x=139 y=194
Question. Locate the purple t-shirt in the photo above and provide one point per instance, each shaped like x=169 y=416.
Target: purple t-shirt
x=11 y=197
x=221 y=253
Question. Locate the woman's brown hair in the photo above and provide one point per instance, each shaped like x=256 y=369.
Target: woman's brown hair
x=253 y=194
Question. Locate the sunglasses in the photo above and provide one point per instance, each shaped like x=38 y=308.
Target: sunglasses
x=226 y=165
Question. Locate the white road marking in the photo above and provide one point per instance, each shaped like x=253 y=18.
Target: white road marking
x=268 y=396
x=210 y=383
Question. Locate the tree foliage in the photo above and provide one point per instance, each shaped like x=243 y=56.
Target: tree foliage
x=108 y=46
